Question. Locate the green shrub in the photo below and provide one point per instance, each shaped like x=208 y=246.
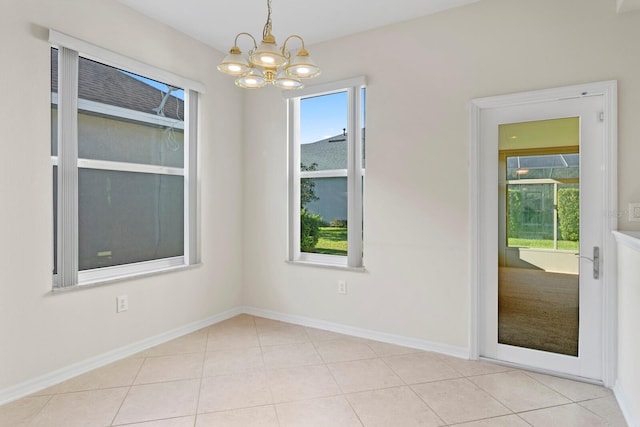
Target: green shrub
x=309 y=230
x=569 y=214
x=514 y=229
x=339 y=223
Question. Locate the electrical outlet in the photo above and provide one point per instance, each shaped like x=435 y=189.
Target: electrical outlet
x=342 y=287
x=122 y=303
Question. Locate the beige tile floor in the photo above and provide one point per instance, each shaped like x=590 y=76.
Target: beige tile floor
x=250 y=371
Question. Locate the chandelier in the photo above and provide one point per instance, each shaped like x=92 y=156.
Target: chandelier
x=267 y=63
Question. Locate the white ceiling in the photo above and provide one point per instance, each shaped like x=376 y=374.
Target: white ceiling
x=217 y=22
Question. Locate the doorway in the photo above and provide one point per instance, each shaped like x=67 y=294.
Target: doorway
x=543 y=179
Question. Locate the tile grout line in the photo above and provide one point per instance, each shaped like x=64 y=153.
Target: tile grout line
x=410 y=388
x=33 y=417
x=572 y=401
x=113 y=420
x=426 y=404
x=204 y=359
x=601 y=417
x=466 y=377
x=341 y=392
x=527 y=373
x=273 y=400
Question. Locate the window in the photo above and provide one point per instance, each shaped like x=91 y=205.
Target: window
x=326 y=173
x=123 y=152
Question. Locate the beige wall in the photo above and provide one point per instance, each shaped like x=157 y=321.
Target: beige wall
x=416 y=238
x=41 y=332
x=421 y=76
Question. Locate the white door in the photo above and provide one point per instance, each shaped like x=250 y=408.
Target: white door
x=540 y=287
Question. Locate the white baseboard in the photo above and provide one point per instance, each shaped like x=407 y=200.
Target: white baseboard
x=52 y=378
x=460 y=352
x=47 y=380
x=626 y=407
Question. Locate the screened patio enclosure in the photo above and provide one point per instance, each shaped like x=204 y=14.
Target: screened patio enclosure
x=543 y=201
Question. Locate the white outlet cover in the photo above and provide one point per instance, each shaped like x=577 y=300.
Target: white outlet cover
x=342 y=287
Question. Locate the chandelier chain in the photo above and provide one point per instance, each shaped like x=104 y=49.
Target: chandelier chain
x=267 y=26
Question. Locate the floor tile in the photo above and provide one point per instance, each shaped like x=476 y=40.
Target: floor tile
x=234 y=391
x=118 y=374
x=421 y=367
x=459 y=400
x=343 y=350
x=303 y=382
x=287 y=335
x=519 y=392
x=170 y=368
x=159 y=401
x=229 y=340
x=20 y=412
x=608 y=409
x=260 y=416
x=171 y=422
x=291 y=355
x=229 y=361
x=385 y=349
x=329 y=411
x=264 y=324
x=470 y=368
x=241 y=320
x=191 y=343
x=392 y=407
x=316 y=335
x=228 y=375
x=574 y=390
x=361 y=375
x=230 y=327
x=83 y=408
x=572 y=415
x=505 y=421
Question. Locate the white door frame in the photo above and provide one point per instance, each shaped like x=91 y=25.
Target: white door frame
x=610 y=220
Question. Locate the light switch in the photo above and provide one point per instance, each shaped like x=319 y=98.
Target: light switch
x=634 y=212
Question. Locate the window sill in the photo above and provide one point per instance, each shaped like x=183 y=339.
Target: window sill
x=122 y=278
x=329 y=266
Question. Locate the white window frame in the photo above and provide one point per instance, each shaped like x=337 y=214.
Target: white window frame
x=69 y=51
x=354 y=173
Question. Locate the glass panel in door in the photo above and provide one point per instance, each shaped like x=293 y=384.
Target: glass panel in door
x=538 y=264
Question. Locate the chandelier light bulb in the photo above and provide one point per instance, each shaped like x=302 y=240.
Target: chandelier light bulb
x=234 y=63
x=284 y=81
x=302 y=66
x=253 y=80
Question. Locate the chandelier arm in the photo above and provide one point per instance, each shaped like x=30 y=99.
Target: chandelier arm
x=292 y=36
x=235 y=43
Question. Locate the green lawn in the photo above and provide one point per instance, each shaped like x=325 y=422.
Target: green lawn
x=333 y=241
x=563 y=245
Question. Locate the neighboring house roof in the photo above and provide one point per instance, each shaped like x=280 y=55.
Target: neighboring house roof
x=330 y=153
x=108 y=85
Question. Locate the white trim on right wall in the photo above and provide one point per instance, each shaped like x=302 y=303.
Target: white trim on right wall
x=609 y=269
